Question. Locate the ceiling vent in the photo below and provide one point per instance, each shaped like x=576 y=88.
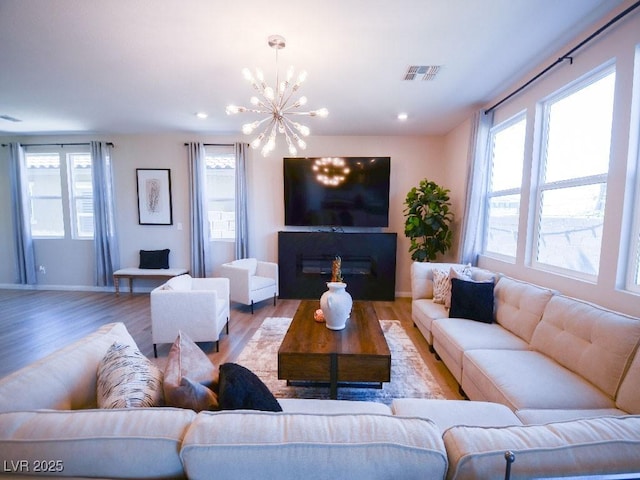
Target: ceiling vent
x=9 y=118
x=421 y=72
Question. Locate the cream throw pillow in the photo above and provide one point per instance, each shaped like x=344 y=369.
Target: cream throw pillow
x=442 y=283
x=126 y=379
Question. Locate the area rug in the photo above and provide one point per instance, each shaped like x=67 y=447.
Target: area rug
x=410 y=375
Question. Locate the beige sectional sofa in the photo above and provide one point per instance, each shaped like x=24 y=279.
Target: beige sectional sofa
x=49 y=424
x=546 y=357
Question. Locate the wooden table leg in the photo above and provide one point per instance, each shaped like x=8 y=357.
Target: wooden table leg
x=116 y=283
x=333 y=375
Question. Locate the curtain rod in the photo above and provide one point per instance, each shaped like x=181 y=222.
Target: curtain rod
x=54 y=144
x=566 y=56
x=214 y=144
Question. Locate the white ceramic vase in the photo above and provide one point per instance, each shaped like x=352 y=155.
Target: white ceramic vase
x=336 y=305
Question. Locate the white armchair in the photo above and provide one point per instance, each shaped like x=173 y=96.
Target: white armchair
x=251 y=280
x=197 y=306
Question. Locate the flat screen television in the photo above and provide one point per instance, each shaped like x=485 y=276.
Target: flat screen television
x=337 y=191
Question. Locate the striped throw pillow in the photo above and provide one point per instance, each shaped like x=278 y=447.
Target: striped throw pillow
x=126 y=379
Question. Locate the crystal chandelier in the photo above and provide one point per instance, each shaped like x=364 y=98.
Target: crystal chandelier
x=278 y=106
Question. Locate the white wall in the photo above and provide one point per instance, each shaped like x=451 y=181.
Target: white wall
x=69 y=263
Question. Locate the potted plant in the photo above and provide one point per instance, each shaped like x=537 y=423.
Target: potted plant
x=428 y=216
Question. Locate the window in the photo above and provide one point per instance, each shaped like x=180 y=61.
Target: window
x=574 y=165
x=506 y=154
x=50 y=174
x=221 y=192
x=45 y=195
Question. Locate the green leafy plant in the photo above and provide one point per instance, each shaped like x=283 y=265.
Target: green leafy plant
x=428 y=216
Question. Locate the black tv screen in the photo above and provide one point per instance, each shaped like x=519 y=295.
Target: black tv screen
x=337 y=191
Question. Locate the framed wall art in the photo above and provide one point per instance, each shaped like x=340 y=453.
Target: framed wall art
x=154 y=196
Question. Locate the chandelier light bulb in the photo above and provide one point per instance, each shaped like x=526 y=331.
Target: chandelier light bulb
x=259 y=75
x=302 y=144
x=303 y=129
x=248 y=128
x=302 y=100
x=255 y=101
x=257 y=141
x=268 y=92
x=290 y=72
x=232 y=109
x=246 y=73
x=302 y=76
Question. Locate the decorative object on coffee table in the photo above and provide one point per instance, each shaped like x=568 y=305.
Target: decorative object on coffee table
x=336 y=269
x=336 y=305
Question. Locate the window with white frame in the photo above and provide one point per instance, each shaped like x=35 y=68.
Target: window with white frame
x=81 y=191
x=220 y=168
x=60 y=182
x=502 y=215
x=45 y=195
x=572 y=187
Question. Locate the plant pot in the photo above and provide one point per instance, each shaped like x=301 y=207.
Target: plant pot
x=336 y=305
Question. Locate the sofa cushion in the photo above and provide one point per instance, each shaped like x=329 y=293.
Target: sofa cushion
x=241 y=389
x=68 y=375
x=129 y=443
x=519 y=306
x=309 y=405
x=256 y=445
x=453 y=336
x=154 y=259
x=527 y=379
x=190 y=379
x=471 y=300
x=423 y=313
x=628 y=398
x=591 y=341
x=447 y=413
x=535 y=416
x=596 y=446
x=126 y=379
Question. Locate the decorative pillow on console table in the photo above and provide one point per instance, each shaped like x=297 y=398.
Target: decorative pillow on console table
x=472 y=300
x=240 y=389
x=126 y=379
x=154 y=259
x=190 y=379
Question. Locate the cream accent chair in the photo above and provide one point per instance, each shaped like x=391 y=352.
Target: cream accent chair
x=251 y=280
x=197 y=306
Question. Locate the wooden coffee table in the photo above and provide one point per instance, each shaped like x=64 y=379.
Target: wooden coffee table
x=356 y=356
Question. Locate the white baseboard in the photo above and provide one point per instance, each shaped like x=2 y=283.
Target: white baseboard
x=71 y=288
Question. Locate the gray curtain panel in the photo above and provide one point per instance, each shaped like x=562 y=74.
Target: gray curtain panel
x=472 y=222
x=197 y=203
x=242 y=221
x=105 y=238
x=25 y=256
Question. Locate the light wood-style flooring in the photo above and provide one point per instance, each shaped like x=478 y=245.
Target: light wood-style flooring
x=34 y=323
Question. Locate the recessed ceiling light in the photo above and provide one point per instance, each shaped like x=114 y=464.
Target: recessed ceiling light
x=402 y=116
x=202 y=115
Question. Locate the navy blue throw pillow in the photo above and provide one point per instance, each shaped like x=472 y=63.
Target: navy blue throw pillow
x=240 y=389
x=471 y=300
x=155 y=259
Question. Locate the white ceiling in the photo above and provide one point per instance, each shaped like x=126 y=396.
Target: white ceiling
x=141 y=66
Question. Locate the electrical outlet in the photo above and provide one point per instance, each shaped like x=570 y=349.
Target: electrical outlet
x=42 y=270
